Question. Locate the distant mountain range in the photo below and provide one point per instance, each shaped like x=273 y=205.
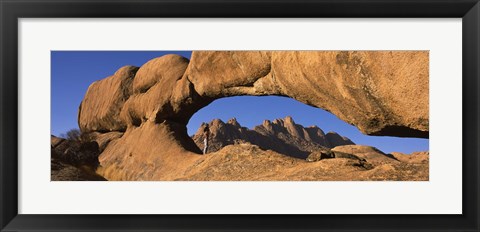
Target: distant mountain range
x=280 y=135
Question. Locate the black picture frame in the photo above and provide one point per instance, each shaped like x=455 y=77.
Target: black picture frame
x=12 y=10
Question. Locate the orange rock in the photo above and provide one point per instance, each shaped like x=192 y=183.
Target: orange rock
x=380 y=92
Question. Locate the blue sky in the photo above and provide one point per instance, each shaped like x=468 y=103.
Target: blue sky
x=74 y=71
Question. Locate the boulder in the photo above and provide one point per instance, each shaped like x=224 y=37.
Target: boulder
x=74 y=160
x=319 y=155
x=371 y=154
x=413 y=158
x=101 y=106
x=103 y=139
x=75 y=153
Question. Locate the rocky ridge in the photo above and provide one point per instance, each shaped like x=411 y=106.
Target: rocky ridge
x=280 y=135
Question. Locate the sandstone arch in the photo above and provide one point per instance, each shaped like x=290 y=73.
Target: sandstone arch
x=379 y=92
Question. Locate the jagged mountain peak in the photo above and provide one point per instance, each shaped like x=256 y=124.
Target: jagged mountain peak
x=234 y=122
x=281 y=135
x=289 y=119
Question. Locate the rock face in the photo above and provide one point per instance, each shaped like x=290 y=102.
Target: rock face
x=104 y=138
x=380 y=92
x=282 y=135
x=101 y=106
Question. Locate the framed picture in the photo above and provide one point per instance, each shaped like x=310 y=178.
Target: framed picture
x=388 y=68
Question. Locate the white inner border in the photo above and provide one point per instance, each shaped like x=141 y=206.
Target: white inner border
x=441 y=195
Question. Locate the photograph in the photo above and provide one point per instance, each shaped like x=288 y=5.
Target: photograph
x=240 y=115
x=234 y=115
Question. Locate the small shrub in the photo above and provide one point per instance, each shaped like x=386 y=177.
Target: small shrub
x=77 y=135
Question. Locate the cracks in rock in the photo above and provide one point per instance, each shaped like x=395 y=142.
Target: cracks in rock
x=380 y=114
x=252 y=88
x=275 y=84
x=239 y=64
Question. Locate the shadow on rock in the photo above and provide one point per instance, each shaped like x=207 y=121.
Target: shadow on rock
x=74 y=160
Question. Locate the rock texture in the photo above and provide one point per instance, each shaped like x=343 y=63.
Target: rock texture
x=249 y=162
x=371 y=154
x=282 y=135
x=101 y=106
x=380 y=92
x=414 y=158
x=74 y=160
x=103 y=139
x=149 y=152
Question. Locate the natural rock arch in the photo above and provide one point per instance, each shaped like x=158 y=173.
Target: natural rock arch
x=379 y=92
